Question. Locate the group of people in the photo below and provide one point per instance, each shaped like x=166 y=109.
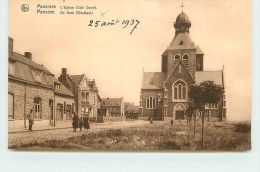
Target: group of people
x=79 y=122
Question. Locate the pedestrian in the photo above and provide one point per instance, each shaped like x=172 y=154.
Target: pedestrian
x=86 y=122
x=80 y=123
x=151 y=120
x=75 y=121
x=31 y=119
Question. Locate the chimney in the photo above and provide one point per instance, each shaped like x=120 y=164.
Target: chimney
x=64 y=71
x=94 y=83
x=10 y=46
x=28 y=55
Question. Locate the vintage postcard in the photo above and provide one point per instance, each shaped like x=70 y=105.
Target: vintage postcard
x=128 y=75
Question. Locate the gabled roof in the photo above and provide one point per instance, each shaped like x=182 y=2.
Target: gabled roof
x=112 y=101
x=22 y=59
x=215 y=76
x=181 y=41
x=153 y=80
x=76 y=78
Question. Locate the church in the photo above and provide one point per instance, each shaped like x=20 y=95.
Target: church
x=164 y=95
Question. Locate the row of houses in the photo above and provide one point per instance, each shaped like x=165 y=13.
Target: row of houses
x=53 y=100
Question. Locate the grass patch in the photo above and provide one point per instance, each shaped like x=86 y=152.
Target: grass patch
x=159 y=136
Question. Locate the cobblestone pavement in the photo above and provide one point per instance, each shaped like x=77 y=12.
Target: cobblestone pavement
x=59 y=134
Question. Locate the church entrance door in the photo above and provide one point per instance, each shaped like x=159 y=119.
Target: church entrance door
x=179 y=115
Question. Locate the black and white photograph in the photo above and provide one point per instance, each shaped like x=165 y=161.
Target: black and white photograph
x=129 y=76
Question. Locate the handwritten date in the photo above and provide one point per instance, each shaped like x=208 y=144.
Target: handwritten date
x=124 y=23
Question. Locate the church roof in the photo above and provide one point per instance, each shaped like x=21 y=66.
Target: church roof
x=182 y=18
x=181 y=41
x=215 y=76
x=198 y=50
x=153 y=80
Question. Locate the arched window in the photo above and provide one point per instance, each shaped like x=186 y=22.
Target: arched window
x=176 y=59
x=180 y=90
x=185 y=60
x=150 y=103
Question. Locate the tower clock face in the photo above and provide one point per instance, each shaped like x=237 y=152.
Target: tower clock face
x=182 y=28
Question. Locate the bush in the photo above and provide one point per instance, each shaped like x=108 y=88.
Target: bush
x=243 y=127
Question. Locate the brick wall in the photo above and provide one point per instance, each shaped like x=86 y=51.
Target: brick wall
x=24 y=98
x=145 y=94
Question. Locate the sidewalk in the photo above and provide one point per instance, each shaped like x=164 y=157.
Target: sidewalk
x=65 y=125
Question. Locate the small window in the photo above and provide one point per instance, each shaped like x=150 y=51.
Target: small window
x=159 y=97
x=224 y=103
x=185 y=60
x=176 y=59
x=181 y=43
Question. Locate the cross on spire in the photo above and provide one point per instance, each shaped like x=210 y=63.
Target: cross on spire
x=182 y=6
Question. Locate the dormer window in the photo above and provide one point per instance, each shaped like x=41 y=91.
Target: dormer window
x=151 y=82
x=37 y=75
x=181 y=43
x=57 y=87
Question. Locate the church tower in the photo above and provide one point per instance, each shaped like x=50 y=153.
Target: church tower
x=182 y=48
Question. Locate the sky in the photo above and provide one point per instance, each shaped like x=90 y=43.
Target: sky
x=116 y=59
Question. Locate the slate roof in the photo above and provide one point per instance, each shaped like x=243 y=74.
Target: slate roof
x=153 y=80
x=64 y=91
x=215 y=76
x=185 y=39
x=76 y=78
x=24 y=67
x=112 y=101
x=22 y=59
x=57 y=81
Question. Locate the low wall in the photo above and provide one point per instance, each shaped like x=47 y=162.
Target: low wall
x=106 y=119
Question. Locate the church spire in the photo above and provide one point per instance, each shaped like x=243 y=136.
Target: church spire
x=182 y=7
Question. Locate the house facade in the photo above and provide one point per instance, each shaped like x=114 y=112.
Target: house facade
x=30 y=86
x=33 y=86
x=64 y=103
x=85 y=91
x=131 y=111
x=112 y=109
x=164 y=95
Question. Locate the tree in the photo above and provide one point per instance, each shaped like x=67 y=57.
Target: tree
x=205 y=92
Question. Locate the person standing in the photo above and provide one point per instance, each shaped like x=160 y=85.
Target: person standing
x=75 y=121
x=31 y=119
x=86 y=123
x=80 y=123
